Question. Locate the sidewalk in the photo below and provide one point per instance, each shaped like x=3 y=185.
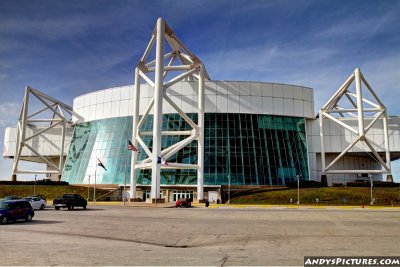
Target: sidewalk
x=132 y=204
x=305 y=206
x=244 y=206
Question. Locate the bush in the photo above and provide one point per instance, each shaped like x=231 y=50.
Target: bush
x=50 y=192
x=367 y=183
x=40 y=182
x=326 y=196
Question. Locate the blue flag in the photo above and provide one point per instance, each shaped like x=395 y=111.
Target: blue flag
x=160 y=160
x=101 y=164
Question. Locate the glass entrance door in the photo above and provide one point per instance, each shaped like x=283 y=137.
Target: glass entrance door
x=183 y=194
x=146 y=195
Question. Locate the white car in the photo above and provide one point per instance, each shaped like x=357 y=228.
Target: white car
x=36 y=203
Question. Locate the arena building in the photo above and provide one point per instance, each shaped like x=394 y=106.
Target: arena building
x=194 y=135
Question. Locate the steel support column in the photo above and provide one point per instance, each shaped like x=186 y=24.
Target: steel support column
x=158 y=100
x=386 y=140
x=360 y=111
x=200 y=141
x=189 y=68
x=136 y=99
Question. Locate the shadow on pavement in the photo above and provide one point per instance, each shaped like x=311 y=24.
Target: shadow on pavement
x=44 y=222
x=78 y=209
x=35 y=222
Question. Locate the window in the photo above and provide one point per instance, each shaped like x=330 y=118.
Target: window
x=253 y=149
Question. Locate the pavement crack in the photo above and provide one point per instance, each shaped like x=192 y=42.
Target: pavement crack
x=223 y=260
x=103 y=237
x=175 y=246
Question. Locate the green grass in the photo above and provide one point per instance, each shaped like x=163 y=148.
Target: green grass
x=326 y=196
x=50 y=192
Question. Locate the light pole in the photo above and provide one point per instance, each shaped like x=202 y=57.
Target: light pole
x=94 y=189
x=229 y=189
x=372 y=185
x=34 y=186
x=88 y=190
x=124 y=192
x=298 y=189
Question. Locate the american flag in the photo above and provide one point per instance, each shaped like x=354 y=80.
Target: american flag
x=132 y=147
x=162 y=161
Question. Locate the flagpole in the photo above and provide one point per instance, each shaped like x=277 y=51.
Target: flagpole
x=155 y=202
x=123 y=193
x=88 y=190
x=95 y=177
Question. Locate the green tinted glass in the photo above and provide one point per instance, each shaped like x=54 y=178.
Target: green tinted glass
x=250 y=149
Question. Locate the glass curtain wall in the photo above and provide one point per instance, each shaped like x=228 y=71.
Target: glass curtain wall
x=252 y=149
x=104 y=139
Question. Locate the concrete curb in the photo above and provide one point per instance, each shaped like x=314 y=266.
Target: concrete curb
x=295 y=207
x=245 y=206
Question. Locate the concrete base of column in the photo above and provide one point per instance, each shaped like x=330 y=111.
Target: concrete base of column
x=389 y=178
x=59 y=178
x=14 y=178
x=324 y=180
x=158 y=200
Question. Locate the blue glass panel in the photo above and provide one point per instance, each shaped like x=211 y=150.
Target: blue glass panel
x=106 y=139
x=252 y=149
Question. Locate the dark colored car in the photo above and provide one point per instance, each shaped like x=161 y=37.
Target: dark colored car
x=12 y=210
x=70 y=201
x=183 y=202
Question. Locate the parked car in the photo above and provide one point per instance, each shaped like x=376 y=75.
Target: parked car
x=36 y=203
x=10 y=198
x=70 y=201
x=183 y=202
x=39 y=196
x=12 y=210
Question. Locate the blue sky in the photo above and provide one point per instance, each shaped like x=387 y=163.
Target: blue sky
x=68 y=48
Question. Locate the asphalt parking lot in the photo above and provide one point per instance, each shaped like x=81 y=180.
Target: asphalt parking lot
x=117 y=235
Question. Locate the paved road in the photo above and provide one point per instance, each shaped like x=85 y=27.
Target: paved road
x=107 y=235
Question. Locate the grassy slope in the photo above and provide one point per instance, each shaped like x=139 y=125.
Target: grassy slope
x=327 y=196
x=50 y=192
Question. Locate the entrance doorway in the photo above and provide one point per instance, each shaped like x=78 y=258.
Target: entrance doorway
x=146 y=195
x=183 y=194
x=212 y=196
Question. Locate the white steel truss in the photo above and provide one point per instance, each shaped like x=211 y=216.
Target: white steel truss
x=366 y=111
x=169 y=67
x=61 y=117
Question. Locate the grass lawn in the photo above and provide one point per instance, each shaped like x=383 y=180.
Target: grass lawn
x=50 y=192
x=326 y=196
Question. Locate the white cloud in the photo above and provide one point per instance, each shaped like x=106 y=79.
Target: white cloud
x=266 y=58
x=8 y=114
x=361 y=26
